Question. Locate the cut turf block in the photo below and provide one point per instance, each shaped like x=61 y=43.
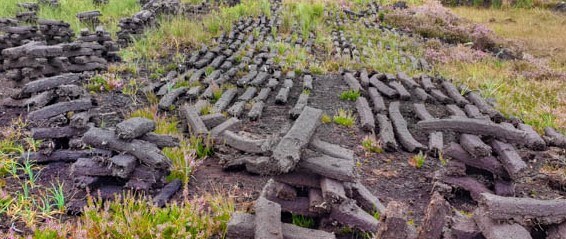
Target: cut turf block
x=403 y=134
x=427 y=84
x=299 y=106
x=465 y=228
x=263 y=94
x=213 y=120
x=393 y=223
x=365 y=198
x=366 y=115
x=435 y=218
x=349 y=214
x=256 y=111
x=161 y=140
x=454 y=93
x=386 y=135
x=422 y=112
x=485 y=108
x=469 y=184
x=279 y=190
x=332 y=149
x=403 y=93
x=90 y=167
x=474 y=145
x=330 y=167
x=504 y=188
x=490 y=164
x=436 y=143
x=299 y=179
x=267 y=220
x=376 y=100
x=422 y=95
x=49 y=83
x=493 y=230
x=533 y=138
x=147 y=152
x=240 y=226
x=134 y=127
x=242 y=143
x=291 y=231
x=474 y=112
x=230 y=124
x=441 y=97
x=167 y=193
x=352 y=82
x=57 y=133
x=123 y=165
x=554 y=138
x=60 y=108
x=169 y=99
x=236 y=109
x=406 y=80
x=287 y=153
x=248 y=94
x=332 y=190
x=510 y=159
x=474 y=126
x=194 y=122
x=455 y=111
x=525 y=211
x=307 y=82
x=225 y=100
x=317 y=203
x=282 y=96
x=383 y=88
x=64 y=155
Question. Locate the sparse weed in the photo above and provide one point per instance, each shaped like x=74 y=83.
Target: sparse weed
x=418 y=160
x=351 y=95
x=344 y=118
x=302 y=221
x=371 y=145
x=325 y=119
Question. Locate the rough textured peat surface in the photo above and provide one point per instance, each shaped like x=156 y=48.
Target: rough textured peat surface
x=271 y=145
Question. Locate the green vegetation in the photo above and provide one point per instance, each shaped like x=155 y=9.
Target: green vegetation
x=351 y=95
x=344 y=118
x=68 y=9
x=302 y=221
x=418 y=160
x=371 y=145
x=106 y=82
x=325 y=119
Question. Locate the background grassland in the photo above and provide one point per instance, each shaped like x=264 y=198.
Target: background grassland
x=539 y=32
x=68 y=9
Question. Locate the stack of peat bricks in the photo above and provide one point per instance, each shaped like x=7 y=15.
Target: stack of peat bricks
x=90 y=18
x=36 y=59
x=135 y=160
x=101 y=37
x=55 y=32
x=132 y=27
x=196 y=9
x=50 y=3
x=28 y=13
x=7 y=22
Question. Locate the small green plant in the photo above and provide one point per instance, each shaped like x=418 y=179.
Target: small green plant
x=376 y=215
x=418 y=160
x=302 y=221
x=351 y=95
x=325 y=119
x=371 y=145
x=306 y=92
x=344 y=118
x=206 y=110
x=381 y=16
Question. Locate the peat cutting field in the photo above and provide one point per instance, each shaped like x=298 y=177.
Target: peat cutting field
x=302 y=119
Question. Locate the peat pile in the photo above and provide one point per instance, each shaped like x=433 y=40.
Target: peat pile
x=36 y=59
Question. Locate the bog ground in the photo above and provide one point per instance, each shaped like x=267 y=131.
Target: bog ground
x=282 y=119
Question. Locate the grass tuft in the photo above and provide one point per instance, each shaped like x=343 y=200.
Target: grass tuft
x=344 y=118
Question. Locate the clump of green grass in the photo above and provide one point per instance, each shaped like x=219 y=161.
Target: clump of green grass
x=105 y=82
x=418 y=160
x=371 y=145
x=351 y=95
x=344 y=118
x=302 y=221
x=325 y=119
